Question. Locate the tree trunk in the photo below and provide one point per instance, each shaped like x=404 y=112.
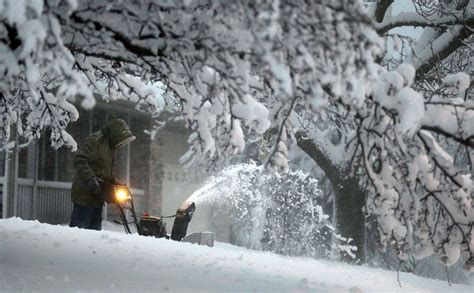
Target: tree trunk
x=349 y=197
x=350 y=219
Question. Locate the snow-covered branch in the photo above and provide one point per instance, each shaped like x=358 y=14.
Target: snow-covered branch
x=439 y=49
x=254 y=68
x=447 y=27
x=415 y=19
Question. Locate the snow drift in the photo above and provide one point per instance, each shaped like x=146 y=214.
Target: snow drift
x=42 y=257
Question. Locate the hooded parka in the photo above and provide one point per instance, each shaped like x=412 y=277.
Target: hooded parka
x=96 y=158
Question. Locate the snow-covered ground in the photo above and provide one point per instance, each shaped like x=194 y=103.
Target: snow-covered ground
x=42 y=257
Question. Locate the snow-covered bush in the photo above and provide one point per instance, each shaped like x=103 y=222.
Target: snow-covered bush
x=295 y=221
x=274 y=212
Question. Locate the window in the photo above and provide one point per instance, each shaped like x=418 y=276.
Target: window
x=2 y=163
x=120 y=164
x=99 y=117
x=82 y=127
x=131 y=161
x=64 y=167
x=57 y=165
x=47 y=160
x=1 y=201
x=139 y=152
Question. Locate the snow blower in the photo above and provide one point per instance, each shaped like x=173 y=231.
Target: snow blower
x=121 y=197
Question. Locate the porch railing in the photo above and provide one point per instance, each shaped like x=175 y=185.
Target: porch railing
x=3 y=191
x=47 y=201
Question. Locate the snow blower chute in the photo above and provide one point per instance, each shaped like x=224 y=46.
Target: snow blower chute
x=121 y=197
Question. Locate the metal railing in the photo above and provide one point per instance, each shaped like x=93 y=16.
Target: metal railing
x=3 y=193
x=45 y=201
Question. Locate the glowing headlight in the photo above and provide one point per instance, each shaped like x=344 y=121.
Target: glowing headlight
x=122 y=194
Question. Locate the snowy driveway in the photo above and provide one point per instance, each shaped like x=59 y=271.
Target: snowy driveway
x=43 y=257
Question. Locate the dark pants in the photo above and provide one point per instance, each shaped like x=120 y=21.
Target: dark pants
x=86 y=218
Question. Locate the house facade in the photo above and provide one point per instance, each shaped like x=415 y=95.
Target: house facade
x=35 y=181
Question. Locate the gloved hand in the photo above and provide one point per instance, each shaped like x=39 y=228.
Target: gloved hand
x=95 y=185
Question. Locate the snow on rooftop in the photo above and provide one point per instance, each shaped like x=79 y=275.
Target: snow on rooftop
x=42 y=257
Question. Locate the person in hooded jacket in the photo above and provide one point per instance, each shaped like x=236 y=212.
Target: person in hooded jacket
x=93 y=163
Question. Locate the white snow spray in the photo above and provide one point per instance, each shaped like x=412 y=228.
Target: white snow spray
x=222 y=188
x=268 y=211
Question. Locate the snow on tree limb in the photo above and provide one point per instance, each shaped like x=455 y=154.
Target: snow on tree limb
x=33 y=53
x=254 y=68
x=448 y=26
x=438 y=49
x=415 y=19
